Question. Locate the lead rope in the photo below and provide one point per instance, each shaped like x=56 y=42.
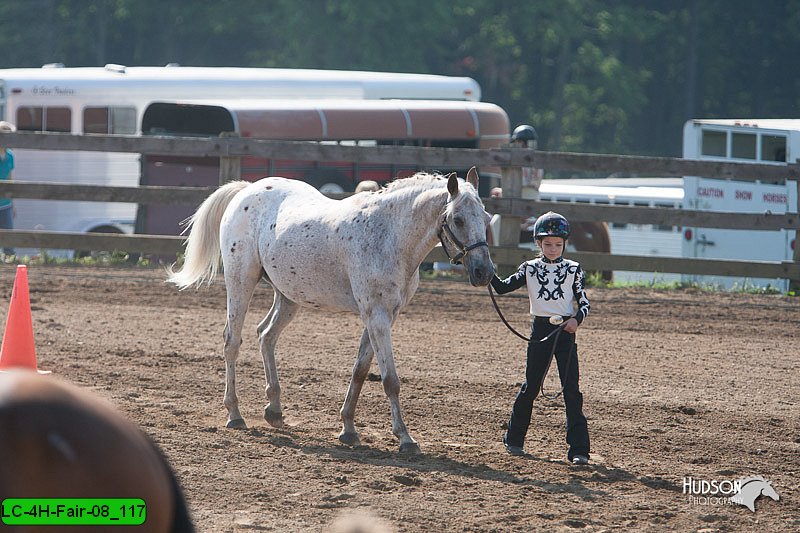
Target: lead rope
x=556 y=332
x=500 y=314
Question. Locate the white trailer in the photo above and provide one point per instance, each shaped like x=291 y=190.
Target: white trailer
x=112 y=100
x=771 y=141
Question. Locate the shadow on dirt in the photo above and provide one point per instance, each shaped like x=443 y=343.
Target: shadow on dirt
x=581 y=482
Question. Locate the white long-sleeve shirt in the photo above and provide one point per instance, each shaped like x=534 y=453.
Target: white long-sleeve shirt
x=554 y=287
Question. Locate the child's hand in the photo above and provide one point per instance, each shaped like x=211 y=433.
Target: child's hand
x=571 y=326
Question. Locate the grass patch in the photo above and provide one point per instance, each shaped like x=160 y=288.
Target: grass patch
x=117 y=258
x=595 y=280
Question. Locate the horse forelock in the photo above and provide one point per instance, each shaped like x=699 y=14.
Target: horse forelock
x=466 y=192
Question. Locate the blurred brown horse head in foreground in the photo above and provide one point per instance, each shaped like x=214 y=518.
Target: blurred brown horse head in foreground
x=60 y=441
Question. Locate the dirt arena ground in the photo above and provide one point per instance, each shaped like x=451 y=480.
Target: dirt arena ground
x=677 y=384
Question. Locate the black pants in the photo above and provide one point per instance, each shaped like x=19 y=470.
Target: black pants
x=538 y=356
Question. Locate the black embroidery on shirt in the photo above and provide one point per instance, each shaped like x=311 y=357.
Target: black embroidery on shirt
x=540 y=272
x=562 y=270
x=559 y=276
x=579 y=290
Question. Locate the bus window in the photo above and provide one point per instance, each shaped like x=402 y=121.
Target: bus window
x=57 y=119
x=714 y=143
x=29 y=119
x=121 y=120
x=186 y=120
x=743 y=146
x=773 y=148
x=44 y=119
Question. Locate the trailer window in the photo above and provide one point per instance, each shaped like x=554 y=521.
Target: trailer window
x=773 y=148
x=714 y=143
x=439 y=143
x=348 y=142
x=120 y=120
x=743 y=146
x=44 y=119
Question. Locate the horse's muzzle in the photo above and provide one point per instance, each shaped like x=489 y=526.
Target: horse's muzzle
x=479 y=266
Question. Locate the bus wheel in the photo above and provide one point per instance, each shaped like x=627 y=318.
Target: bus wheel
x=330 y=181
x=100 y=254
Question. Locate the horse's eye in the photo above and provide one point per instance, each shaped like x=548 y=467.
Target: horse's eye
x=459 y=221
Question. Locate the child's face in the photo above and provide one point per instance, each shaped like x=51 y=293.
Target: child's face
x=552 y=247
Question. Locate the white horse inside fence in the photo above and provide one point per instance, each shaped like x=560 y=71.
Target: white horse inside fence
x=359 y=254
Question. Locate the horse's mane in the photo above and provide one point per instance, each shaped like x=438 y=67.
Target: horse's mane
x=418 y=180
x=423 y=181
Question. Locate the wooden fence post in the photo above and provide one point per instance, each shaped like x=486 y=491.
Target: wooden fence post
x=230 y=168
x=511 y=183
x=794 y=284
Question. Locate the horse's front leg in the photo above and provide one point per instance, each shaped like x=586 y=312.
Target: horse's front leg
x=379 y=325
x=349 y=435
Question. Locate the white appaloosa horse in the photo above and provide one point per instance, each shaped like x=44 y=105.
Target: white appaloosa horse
x=359 y=254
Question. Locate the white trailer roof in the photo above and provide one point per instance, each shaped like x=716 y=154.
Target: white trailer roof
x=788 y=124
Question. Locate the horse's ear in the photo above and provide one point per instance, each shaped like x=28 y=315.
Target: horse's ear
x=452 y=184
x=472 y=177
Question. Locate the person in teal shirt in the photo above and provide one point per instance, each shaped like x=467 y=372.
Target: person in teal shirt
x=6 y=173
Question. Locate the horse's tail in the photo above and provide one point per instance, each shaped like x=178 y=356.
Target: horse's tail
x=202 y=259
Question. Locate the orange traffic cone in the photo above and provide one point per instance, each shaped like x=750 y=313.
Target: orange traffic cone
x=18 y=350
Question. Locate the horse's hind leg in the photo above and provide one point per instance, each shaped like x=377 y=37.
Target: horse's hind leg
x=349 y=435
x=240 y=282
x=280 y=314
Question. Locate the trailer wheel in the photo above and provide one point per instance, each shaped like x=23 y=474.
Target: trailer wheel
x=330 y=181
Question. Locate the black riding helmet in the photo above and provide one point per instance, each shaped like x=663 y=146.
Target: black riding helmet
x=551 y=225
x=524 y=133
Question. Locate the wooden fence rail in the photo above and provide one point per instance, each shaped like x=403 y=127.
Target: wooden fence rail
x=510 y=159
x=148 y=194
x=423 y=157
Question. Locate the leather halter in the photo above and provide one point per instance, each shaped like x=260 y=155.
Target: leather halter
x=462 y=250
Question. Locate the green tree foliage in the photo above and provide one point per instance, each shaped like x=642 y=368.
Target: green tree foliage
x=614 y=76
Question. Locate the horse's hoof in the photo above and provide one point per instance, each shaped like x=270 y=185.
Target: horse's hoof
x=273 y=419
x=410 y=448
x=349 y=438
x=239 y=423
